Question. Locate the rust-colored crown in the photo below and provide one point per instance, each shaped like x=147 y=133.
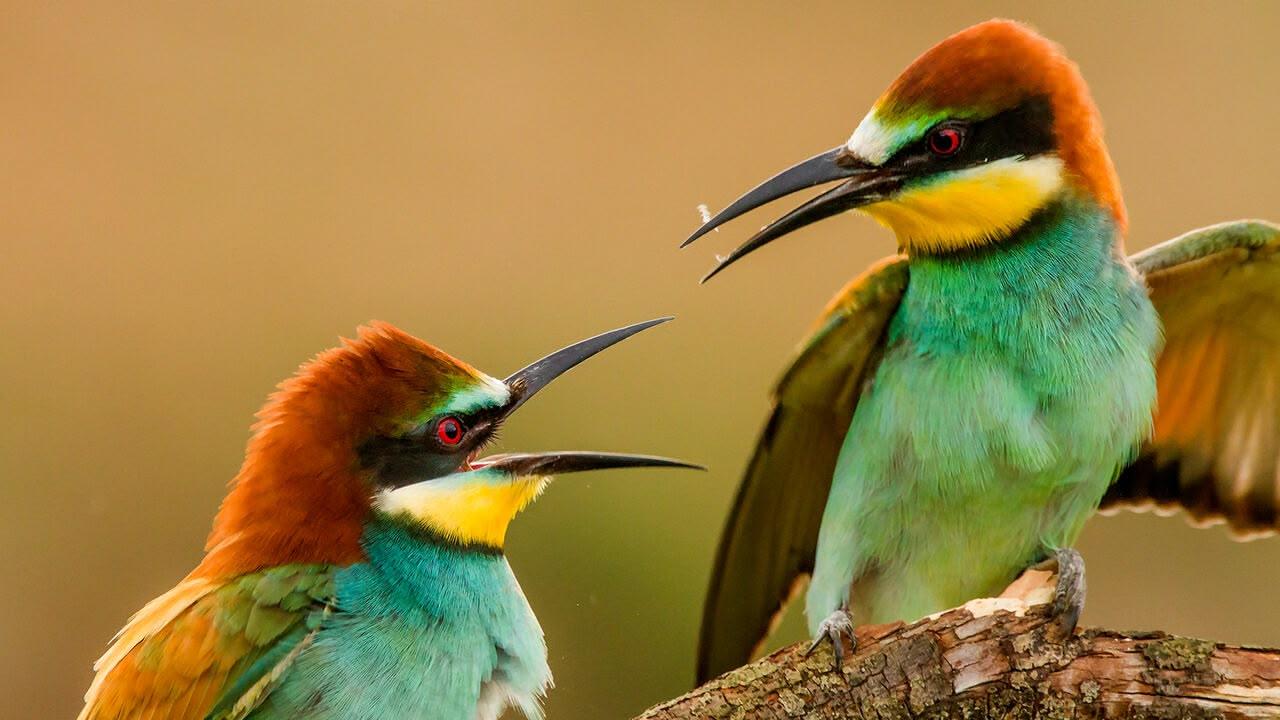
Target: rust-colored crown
x=997 y=65
x=300 y=496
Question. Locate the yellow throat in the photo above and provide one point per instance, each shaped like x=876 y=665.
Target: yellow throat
x=969 y=208
x=470 y=511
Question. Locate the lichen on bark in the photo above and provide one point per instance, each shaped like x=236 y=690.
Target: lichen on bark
x=996 y=659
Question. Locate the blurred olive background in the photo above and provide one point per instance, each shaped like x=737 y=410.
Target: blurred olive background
x=198 y=197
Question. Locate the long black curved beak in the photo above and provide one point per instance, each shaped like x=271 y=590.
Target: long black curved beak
x=864 y=184
x=526 y=382
x=568 y=461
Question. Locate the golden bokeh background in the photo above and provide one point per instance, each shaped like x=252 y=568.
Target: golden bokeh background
x=199 y=196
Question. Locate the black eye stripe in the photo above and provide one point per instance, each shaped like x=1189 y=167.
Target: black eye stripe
x=1025 y=130
x=421 y=454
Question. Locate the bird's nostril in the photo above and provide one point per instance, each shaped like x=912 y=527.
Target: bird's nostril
x=846 y=159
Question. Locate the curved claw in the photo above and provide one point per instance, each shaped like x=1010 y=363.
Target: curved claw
x=1069 y=593
x=836 y=627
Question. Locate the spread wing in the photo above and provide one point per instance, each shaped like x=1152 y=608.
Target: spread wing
x=1215 y=451
x=210 y=649
x=768 y=543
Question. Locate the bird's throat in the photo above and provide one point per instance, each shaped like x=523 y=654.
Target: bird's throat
x=470 y=514
x=970 y=208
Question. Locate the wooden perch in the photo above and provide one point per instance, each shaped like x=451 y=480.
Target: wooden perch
x=992 y=658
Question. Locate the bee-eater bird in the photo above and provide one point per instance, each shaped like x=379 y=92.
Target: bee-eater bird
x=962 y=408
x=356 y=568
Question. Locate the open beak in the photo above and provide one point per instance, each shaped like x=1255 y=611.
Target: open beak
x=526 y=382
x=864 y=184
x=569 y=461
x=475 y=505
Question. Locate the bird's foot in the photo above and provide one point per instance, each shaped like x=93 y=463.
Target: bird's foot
x=1068 y=594
x=836 y=627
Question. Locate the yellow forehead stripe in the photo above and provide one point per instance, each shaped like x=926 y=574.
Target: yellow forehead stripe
x=969 y=208
x=477 y=512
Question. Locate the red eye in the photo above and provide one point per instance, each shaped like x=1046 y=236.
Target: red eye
x=449 y=431
x=945 y=141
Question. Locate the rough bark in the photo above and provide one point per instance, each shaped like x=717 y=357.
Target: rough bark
x=996 y=658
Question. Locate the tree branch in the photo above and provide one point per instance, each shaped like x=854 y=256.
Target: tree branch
x=992 y=658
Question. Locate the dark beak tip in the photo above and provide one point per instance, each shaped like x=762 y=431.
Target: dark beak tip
x=708 y=225
x=665 y=462
x=526 y=382
x=834 y=164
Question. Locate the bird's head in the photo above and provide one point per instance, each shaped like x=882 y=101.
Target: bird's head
x=387 y=423
x=974 y=137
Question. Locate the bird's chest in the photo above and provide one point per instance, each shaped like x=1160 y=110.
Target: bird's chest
x=414 y=665
x=966 y=427
x=1021 y=365
x=994 y=423
x=421 y=635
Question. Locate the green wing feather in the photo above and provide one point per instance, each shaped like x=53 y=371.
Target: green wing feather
x=289 y=607
x=1215 y=451
x=218 y=656
x=769 y=541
